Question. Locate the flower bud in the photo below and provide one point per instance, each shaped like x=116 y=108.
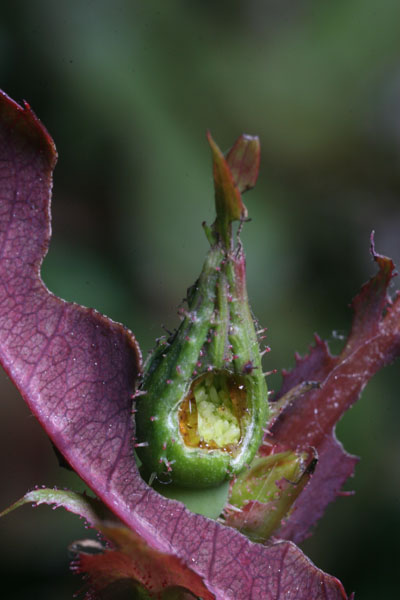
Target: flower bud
x=263 y=495
x=201 y=418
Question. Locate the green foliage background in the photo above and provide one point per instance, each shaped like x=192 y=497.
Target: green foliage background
x=127 y=89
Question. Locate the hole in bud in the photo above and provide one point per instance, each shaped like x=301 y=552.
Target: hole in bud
x=211 y=415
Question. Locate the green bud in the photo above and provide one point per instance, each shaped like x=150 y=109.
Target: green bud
x=201 y=417
x=262 y=496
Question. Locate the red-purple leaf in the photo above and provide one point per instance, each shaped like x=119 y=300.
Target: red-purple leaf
x=77 y=371
x=128 y=558
x=131 y=558
x=310 y=420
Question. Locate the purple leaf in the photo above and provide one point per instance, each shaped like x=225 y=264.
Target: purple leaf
x=128 y=558
x=77 y=371
x=310 y=420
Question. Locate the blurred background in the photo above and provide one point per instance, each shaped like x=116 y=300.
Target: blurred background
x=127 y=89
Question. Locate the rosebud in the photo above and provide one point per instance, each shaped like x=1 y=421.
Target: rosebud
x=205 y=403
x=263 y=495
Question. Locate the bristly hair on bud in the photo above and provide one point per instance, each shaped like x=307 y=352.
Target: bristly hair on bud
x=207 y=389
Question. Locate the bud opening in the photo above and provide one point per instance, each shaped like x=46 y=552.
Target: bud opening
x=210 y=416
